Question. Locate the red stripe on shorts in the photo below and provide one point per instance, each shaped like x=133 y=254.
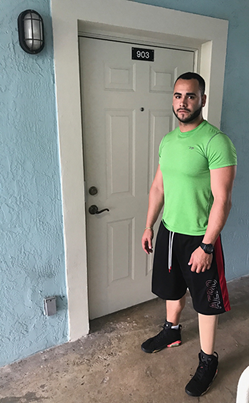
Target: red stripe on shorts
x=221 y=273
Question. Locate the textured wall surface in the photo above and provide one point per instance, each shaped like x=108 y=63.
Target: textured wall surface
x=234 y=117
x=31 y=228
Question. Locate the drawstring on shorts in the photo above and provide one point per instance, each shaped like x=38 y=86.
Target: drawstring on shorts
x=171 y=237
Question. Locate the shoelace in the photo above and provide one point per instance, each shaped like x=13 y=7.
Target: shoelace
x=201 y=370
x=161 y=334
x=203 y=367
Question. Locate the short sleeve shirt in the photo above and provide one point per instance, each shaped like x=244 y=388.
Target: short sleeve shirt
x=185 y=161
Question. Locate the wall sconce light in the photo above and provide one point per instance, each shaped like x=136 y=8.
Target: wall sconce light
x=31 y=32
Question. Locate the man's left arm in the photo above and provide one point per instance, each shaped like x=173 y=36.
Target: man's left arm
x=221 y=185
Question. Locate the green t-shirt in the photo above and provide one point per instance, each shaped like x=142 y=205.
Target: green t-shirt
x=185 y=161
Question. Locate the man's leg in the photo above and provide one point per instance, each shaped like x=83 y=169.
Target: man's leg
x=208 y=359
x=174 y=310
x=210 y=297
x=168 y=337
x=207 y=331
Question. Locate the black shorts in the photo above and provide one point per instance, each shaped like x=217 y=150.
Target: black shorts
x=172 y=275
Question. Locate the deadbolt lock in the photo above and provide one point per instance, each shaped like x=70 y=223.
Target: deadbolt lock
x=93 y=190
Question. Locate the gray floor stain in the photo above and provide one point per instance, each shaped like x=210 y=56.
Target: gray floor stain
x=28 y=398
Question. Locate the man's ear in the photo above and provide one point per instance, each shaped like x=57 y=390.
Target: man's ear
x=204 y=99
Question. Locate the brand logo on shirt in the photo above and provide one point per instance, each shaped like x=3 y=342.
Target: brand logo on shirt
x=191 y=148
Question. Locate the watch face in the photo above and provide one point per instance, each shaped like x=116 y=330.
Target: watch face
x=208 y=248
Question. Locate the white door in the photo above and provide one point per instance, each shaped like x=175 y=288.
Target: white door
x=126 y=110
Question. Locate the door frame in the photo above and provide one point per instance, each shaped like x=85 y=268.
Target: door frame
x=126 y=19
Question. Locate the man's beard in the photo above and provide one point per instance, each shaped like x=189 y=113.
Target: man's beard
x=191 y=117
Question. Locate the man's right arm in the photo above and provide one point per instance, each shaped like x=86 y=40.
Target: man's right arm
x=156 y=200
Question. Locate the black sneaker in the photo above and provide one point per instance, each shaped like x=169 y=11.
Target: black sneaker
x=166 y=338
x=204 y=376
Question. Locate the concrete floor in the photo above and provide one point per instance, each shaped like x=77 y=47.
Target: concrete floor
x=108 y=366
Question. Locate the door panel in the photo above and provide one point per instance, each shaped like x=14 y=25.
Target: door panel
x=126 y=110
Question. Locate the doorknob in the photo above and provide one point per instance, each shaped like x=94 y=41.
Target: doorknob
x=95 y=210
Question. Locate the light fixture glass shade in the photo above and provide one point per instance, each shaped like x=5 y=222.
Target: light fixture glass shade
x=31 y=32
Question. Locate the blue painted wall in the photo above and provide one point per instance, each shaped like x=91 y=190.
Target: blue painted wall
x=31 y=228
x=234 y=117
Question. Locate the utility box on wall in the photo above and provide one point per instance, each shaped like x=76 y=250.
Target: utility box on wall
x=50 y=306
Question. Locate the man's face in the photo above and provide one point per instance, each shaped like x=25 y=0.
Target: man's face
x=187 y=100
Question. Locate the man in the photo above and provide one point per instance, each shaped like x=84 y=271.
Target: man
x=194 y=180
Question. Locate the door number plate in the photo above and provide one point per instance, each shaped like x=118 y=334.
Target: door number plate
x=143 y=54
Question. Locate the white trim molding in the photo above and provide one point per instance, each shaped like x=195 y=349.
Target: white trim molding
x=208 y=36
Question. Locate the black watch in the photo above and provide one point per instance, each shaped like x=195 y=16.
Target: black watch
x=207 y=247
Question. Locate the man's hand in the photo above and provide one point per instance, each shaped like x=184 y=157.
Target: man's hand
x=147 y=241
x=200 y=260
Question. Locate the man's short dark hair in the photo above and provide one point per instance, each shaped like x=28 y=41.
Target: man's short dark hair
x=190 y=76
